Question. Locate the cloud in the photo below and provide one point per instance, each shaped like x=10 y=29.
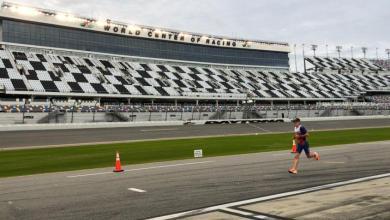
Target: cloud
x=333 y=22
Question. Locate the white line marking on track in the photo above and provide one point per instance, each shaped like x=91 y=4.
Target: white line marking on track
x=261 y=216
x=271 y=197
x=237 y=211
x=260 y=128
x=144 y=168
x=90 y=174
x=137 y=190
x=162 y=129
x=334 y=162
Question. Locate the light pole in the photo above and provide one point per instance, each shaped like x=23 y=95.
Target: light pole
x=295 y=57
x=94 y=110
x=75 y=104
x=364 y=50
x=314 y=48
x=376 y=52
x=351 y=51
x=339 y=48
x=24 y=108
x=327 y=51
x=388 y=53
x=304 y=59
x=49 y=111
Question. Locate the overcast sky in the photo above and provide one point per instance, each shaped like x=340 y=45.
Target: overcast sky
x=334 y=22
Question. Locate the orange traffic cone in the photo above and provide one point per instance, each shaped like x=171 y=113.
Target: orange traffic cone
x=294 y=148
x=118 y=167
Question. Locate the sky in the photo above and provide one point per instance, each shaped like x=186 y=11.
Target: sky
x=349 y=23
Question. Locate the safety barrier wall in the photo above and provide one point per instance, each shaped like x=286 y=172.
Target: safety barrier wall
x=90 y=117
x=59 y=126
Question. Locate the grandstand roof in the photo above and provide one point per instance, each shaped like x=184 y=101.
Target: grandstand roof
x=22 y=12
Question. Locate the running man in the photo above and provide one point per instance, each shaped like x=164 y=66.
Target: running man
x=300 y=136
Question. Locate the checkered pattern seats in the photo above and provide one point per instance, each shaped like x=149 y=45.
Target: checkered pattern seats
x=332 y=63
x=30 y=71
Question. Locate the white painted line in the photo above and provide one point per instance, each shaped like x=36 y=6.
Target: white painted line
x=257 y=127
x=162 y=129
x=171 y=165
x=137 y=190
x=237 y=211
x=271 y=197
x=261 y=216
x=90 y=174
x=144 y=168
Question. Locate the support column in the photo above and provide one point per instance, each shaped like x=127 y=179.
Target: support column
x=217 y=102
x=238 y=103
x=197 y=102
x=129 y=101
x=175 y=103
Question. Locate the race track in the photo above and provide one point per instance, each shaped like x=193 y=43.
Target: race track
x=152 y=190
x=15 y=139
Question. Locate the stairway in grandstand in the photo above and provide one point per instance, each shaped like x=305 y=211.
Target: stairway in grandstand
x=75 y=74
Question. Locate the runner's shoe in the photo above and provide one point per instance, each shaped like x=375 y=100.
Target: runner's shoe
x=292 y=171
x=316 y=156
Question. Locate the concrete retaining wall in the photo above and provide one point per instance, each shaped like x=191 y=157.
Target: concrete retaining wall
x=25 y=127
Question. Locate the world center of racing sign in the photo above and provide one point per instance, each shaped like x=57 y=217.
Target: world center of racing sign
x=164 y=35
x=15 y=11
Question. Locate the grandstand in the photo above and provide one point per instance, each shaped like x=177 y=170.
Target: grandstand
x=384 y=64
x=54 y=61
x=347 y=65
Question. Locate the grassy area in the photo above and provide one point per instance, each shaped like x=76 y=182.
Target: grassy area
x=33 y=161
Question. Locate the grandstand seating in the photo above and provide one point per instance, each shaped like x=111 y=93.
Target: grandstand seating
x=25 y=70
x=384 y=64
x=333 y=63
x=378 y=102
x=380 y=99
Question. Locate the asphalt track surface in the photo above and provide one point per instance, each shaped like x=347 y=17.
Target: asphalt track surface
x=157 y=189
x=15 y=139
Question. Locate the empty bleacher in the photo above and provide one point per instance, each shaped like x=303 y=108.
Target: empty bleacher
x=345 y=64
x=70 y=74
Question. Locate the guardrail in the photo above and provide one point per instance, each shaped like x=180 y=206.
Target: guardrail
x=30 y=127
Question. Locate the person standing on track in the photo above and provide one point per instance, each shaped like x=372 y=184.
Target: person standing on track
x=300 y=137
